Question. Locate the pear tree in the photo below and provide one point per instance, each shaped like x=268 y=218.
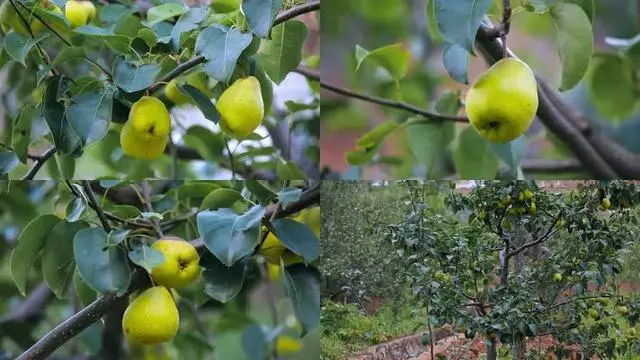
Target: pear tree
x=525 y=263
x=160 y=269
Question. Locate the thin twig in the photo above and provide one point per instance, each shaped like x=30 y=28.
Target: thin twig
x=376 y=100
x=231 y=162
x=146 y=193
x=86 y=185
x=39 y=161
x=506 y=24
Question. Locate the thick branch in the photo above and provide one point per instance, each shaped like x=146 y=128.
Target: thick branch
x=547 y=235
x=381 y=101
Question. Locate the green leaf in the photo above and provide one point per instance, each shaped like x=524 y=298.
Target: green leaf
x=254 y=342
x=612 y=86
x=187 y=22
x=85 y=294
x=432 y=25
x=361 y=156
x=131 y=77
x=202 y=101
x=116 y=42
x=75 y=208
x=22 y=131
x=459 y=20
x=8 y=161
x=260 y=15
x=222 y=47
x=302 y=285
x=473 y=157
x=375 y=137
x=588 y=6
x=393 y=58
x=158 y=14
x=89 y=115
x=230 y=236
x=68 y=53
x=575 y=42
x=428 y=140
x=65 y=138
x=511 y=153
x=289 y=195
x=146 y=257
x=220 y=198
x=208 y=145
x=30 y=242
x=116 y=237
x=18 y=46
x=298 y=238
x=456 y=62
x=261 y=190
x=57 y=256
x=283 y=52
x=105 y=269
x=221 y=282
x=197 y=190
x=286 y=170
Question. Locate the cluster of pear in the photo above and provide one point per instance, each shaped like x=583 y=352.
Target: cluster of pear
x=146 y=133
x=503 y=101
x=78 y=13
x=152 y=316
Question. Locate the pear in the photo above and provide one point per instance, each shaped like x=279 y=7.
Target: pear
x=79 y=13
x=146 y=132
x=503 y=101
x=241 y=107
x=196 y=79
x=151 y=318
x=273 y=249
x=181 y=263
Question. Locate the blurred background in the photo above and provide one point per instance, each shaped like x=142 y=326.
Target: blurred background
x=375 y=23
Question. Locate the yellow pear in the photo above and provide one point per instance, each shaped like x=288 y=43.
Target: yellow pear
x=241 y=107
x=286 y=344
x=197 y=80
x=151 y=318
x=79 y=13
x=273 y=249
x=146 y=132
x=181 y=263
x=503 y=101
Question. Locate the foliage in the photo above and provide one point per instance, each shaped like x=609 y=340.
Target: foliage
x=71 y=86
x=413 y=63
x=90 y=243
x=523 y=262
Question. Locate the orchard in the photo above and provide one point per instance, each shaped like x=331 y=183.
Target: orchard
x=159 y=270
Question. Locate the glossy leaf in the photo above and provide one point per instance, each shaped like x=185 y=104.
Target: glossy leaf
x=302 y=285
x=18 y=45
x=473 y=156
x=202 y=101
x=283 y=52
x=393 y=58
x=260 y=15
x=459 y=20
x=146 y=257
x=89 y=115
x=57 y=256
x=298 y=238
x=220 y=198
x=221 y=282
x=132 y=77
x=222 y=47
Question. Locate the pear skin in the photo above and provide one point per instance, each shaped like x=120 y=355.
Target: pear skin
x=146 y=132
x=241 y=107
x=181 y=264
x=503 y=101
x=79 y=13
x=151 y=318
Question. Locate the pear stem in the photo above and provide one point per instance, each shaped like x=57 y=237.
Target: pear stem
x=506 y=25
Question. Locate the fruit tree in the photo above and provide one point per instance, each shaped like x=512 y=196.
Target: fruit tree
x=528 y=263
x=162 y=89
x=159 y=270
x=486 y=89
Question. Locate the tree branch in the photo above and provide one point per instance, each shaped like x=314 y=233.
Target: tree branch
x=96 y=206
x=376 y=100
x=39 y=161
x=547 y=235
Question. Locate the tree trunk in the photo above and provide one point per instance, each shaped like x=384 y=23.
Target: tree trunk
x=492 y=352
x=519 y=348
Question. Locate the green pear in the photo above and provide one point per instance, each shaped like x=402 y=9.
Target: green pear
x=503 y=101
x=151 y=317
x=241 y=107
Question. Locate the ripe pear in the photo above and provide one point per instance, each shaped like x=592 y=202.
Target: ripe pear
x=197 y=80
x=146 y=132
x=241 y=107
x=181 y=263
x=79 y=13
x=503 y=101
x=273 y=249
x=151 y=318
